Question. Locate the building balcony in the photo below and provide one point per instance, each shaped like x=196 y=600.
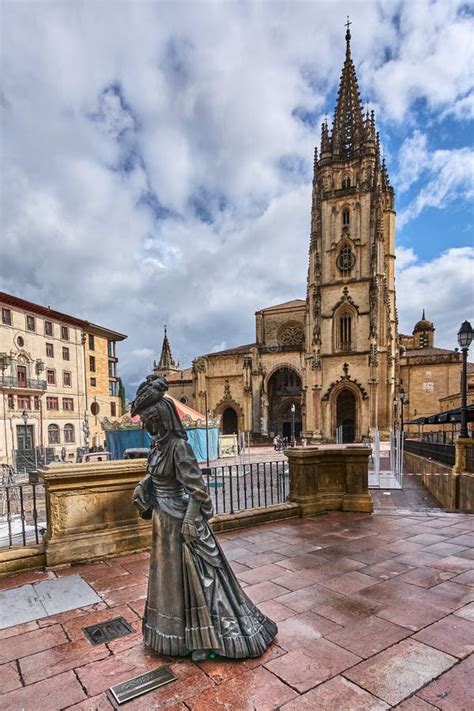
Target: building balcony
x=11 y=382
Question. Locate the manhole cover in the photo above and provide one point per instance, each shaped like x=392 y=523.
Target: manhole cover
x=108 y=630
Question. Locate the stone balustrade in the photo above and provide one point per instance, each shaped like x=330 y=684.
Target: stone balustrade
x=91 y=515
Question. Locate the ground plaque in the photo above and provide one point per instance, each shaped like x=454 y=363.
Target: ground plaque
x=108 y=630
x=128 y=690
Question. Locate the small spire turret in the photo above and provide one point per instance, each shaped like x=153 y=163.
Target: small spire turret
x=167 y=363
x=325 y=143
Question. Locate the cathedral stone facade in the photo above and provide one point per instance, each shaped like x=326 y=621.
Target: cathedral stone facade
x=330 y=363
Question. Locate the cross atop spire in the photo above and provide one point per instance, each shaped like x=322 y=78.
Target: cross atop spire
x=348 y=32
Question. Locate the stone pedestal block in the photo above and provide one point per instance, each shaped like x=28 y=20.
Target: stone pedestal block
x=90 y=511
x=330 y=477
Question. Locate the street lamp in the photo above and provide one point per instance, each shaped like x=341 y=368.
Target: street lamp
x=465 y=336
x=24 y=417
x=5 y=362
x=86 y=430
x=403 y=402
x=293 y=410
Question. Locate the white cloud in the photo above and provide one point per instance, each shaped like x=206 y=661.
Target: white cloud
x=443 y=286
x=462 y=109
x=413 y=159
x=431 y=58
x=450 y=176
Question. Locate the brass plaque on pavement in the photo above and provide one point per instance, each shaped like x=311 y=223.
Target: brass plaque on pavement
x=128 y=690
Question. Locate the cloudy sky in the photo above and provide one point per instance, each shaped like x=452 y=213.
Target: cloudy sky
x=156 y=158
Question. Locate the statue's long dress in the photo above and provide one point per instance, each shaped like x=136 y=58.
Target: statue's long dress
x=194 y=599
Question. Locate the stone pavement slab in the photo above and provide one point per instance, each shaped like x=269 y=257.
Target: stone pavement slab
x=368 y=636
x=9 y=677
x=30 y=643
x=454 y=690
x=63 y=657
x=18 y=605
x=302 y=670
x=414 y=703
x=53 y=694
x=452 y=634
x=41 y=599
x=256 y=689
x=399 y=671
x=467 y=612
x=338 y=694
x=65 y=593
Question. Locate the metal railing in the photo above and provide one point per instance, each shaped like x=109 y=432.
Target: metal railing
x=23 y=513
x=446 y=437
x=236 y=487
x=11 y=381
x=443 y=453
x=28 y=461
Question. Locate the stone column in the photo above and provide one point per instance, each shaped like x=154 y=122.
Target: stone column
x=330 y=477
x=461 y=445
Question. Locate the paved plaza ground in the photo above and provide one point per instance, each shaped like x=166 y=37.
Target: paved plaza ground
x=374 y=612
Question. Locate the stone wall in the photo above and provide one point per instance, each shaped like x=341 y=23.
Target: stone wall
x=466 y=492
x=452 y=490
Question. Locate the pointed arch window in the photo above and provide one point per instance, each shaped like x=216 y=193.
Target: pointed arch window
x=344 y=329
x=346 y=182
x=345 y=260
x=346 y=217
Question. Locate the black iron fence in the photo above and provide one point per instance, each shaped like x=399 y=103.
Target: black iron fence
x=236 y=487
x=23 y=514
x=446 y=437
x=443 y=453
x=28 y=461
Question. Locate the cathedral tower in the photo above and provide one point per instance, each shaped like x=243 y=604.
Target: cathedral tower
x=351 y=323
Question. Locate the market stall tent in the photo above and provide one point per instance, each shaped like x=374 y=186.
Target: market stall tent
x=128 y=433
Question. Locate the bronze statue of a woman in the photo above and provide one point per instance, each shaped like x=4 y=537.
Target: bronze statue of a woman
x=194 y=603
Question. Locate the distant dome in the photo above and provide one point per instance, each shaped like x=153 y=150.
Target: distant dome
x=423 y=324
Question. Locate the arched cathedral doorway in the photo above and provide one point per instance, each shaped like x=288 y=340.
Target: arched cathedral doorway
x=284 y=390
x=346 y=414
x=230 y=421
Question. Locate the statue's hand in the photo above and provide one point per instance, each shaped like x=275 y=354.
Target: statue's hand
x=189 y=531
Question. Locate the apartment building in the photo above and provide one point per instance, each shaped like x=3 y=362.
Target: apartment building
x=56 y=383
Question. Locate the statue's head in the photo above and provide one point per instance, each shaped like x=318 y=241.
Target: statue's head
x=157 y=412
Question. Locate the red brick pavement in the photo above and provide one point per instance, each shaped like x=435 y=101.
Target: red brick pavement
x=374 y=612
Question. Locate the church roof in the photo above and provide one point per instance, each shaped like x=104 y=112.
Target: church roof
x=233 y=351
x=432 y=351
x=180 y=375
x=294 y=303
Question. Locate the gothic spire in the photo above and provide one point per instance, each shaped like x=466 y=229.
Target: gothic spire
x=348 y=122
x=166 y=359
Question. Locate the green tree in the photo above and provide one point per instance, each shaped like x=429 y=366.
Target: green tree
x=123 y=406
